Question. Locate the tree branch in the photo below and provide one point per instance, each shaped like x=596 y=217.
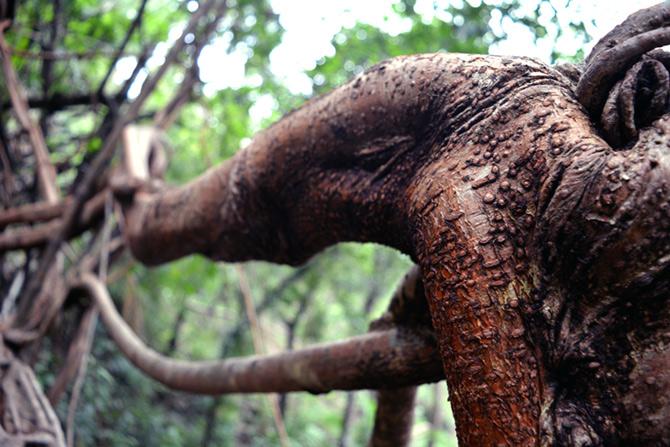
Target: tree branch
x=85 y=188
x=48 y=42
x=28 y=417
x=395 y=407
x=36 y=236
x=78 y=349
x=392 y=358
x=58 y=101
x=131 y=30
x=46 y=174
x=87 y=341
x=31 y=213
x=335 y=152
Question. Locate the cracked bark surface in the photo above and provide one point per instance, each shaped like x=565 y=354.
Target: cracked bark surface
x=544 y=250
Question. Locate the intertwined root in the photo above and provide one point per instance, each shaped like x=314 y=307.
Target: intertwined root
x=622 y=104
x=28 y=418
x=637 y=100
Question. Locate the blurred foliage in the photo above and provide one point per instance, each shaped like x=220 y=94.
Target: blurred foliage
x=192 y=308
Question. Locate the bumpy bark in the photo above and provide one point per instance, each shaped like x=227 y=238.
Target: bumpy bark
x=545 y=251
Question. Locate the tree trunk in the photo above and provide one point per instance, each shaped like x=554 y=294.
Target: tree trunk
x=545 y=251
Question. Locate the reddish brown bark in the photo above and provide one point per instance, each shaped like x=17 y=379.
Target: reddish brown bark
x=544 y=250
x=474 y=212
x=404 y=153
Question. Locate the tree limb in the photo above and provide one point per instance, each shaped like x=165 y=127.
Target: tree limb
x=391 y=358
x=28 y=417
x=334 y=152
x=85 y=188
x=36 y=236
x=77 y=350
x=131 y=29
x=32 y=212
x=87 y=341
x=58 y=101
x=46 y=174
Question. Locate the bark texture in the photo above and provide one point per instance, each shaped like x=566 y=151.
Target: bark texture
x=544 y=249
